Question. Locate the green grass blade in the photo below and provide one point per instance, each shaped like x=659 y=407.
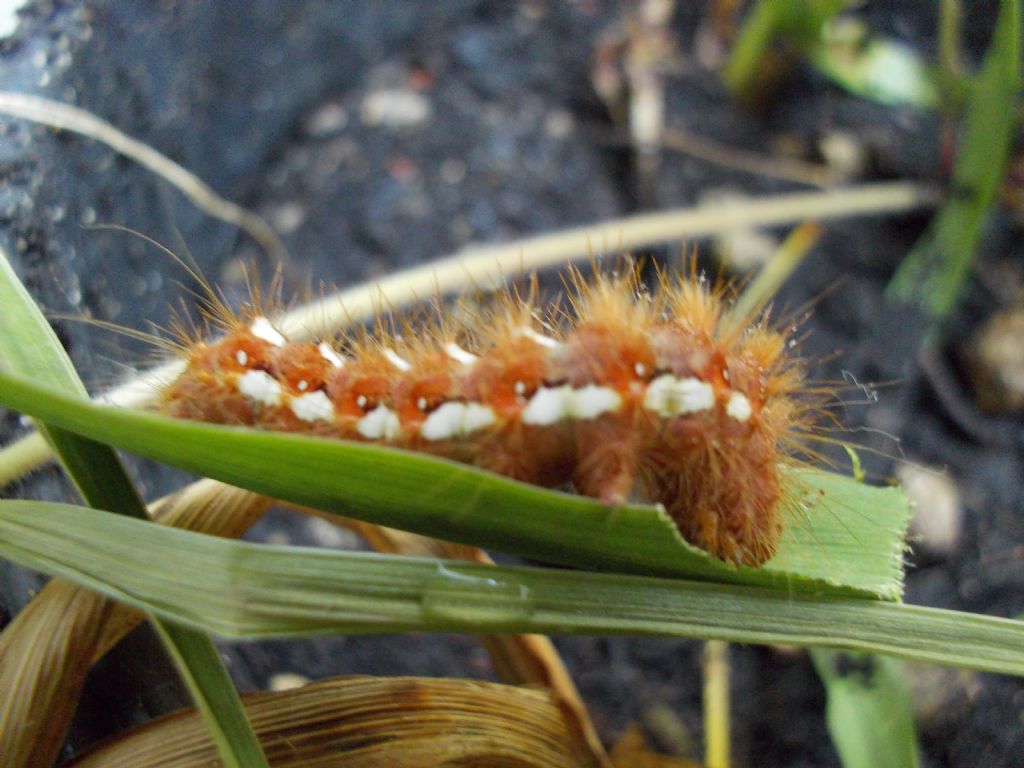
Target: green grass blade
x=848 y=539
x=797 y=22
x=29 y=346
x=244 y=590
x=214 y=694
x=869 y=713
x=931 y=274
x=758 y=33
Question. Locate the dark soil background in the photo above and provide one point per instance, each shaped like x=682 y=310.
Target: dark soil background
x=503 y=136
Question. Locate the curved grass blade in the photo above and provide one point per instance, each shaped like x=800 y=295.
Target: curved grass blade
x=848 y=539
x=409 y=722
x=245 y=590
x=29 y=346
x=213 y=692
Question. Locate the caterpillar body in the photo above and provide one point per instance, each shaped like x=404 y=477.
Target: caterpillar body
x=625 y=394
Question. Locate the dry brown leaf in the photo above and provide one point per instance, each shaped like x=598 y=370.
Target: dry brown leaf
x=47 y=650
x=364 y=722
x=45 y=654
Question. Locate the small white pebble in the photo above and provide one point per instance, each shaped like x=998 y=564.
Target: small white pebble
x=328 y=534
x=329 y=118
x=9 y=23
x=288 y=217
x=558 y=123
x=938 y=511
x=395 y=108
x=453 y=171
x=287 y=681
x=844 y=153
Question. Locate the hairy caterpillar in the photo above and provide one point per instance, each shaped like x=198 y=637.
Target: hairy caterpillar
x=661 y=395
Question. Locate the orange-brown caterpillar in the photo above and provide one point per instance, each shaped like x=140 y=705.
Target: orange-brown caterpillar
x=663 y=395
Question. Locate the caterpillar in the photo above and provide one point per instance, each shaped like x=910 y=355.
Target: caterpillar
x=625 y=393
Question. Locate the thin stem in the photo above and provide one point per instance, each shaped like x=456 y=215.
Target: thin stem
x=716 y=705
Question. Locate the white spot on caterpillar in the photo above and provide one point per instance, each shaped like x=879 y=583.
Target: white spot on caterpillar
x=422 y=403
x=520 y=388
x=241 y=358
x=302 y=386
x=477 y=417
x=260 y=386
x=313 y=406
x=379 y=424
x=591 y=401
x=539 y=338
x=693 y=395
x=397 y=361
x=668 y=396
x=457 y=353
x=640 y=370
x=456 y=420
x=330 y=355
x=446 y=421
x=552 y=404
x=548 y=406
x=738 y=407
x=660 y=396
x=262 y=329
x=361 y=401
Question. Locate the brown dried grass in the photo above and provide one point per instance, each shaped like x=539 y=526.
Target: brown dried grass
x=364 y=722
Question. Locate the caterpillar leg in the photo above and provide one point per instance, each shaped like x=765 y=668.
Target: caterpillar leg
x=541 y=456
x=726 y=502
x=607 y=454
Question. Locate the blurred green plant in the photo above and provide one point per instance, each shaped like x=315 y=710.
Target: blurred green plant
x=868 y=709
x=931 y=276
x=778 y=33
